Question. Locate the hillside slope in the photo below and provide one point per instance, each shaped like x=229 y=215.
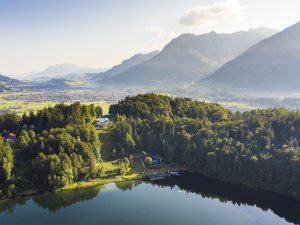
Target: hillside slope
x=187 y=59
x=273 y=64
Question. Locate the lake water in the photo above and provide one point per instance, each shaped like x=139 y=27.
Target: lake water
x=186 y=200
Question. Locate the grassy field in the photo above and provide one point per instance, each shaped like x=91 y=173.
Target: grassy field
x=105 y=135
x=20 y=107
x=135 y=171
x=91 y=183
x=237 y=106
x=110 y=167
x=6 y=93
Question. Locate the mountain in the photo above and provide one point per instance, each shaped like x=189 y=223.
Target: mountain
x=62 y=70
x=6 y=83
x=125 y=65
x=266 y=32
x=271 y=65
x=187 y=59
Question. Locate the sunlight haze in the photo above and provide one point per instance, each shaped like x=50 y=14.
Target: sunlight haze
x=100 y=34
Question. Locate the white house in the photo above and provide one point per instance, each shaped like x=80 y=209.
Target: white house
x=102 y=121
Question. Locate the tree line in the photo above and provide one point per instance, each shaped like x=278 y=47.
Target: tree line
x=258 y=148
x=59 y=145
x=55 y=147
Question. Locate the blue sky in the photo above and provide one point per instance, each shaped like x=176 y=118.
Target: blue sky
x=37 y=33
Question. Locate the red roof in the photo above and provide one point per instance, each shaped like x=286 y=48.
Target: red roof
x=11 y=135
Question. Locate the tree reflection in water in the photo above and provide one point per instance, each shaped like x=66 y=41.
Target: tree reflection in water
x=284 y=207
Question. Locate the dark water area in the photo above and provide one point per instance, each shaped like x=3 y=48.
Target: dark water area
x=184 y=200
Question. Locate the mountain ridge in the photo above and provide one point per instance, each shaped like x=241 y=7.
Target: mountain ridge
x=186 y=59
x=10 y=81
x=272 y=64
x=61 y=70
x=124 y=65
x=7 y=82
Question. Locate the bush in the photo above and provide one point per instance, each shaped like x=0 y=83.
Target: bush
x=148 y=161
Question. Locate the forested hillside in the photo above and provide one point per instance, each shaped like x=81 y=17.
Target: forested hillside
x=55 y=147
x=258 y=148
x=59 y=145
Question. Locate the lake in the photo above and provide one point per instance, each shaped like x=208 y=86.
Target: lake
x=189 y=199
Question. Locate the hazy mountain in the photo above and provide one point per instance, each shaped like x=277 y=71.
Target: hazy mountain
x=125 y=65
x=272 y=64
x=266 y=32
x=6 y=83
x=53 y=83
x=188 y=58
x=63 y=70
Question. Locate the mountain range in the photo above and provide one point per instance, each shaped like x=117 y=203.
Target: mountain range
x=184 y=60
x=63 y=71
x=6 y=82
x=125 y=65
x=257 y=60
x=9 y=81
x=271 y=65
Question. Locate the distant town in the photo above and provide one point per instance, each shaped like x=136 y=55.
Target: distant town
x=26 y=101
x=68 y=96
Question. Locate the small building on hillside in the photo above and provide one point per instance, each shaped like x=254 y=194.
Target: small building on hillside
x=155 y=162
x=10 y=137
x=109 y=116
x=102 y=122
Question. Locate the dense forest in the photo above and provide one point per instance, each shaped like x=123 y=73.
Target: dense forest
x=258 y=148
x=59 y=145
x=54 y=147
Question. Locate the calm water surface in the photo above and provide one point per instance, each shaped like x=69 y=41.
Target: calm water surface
x=186 y=200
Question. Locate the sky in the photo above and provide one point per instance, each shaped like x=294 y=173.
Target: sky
x=99 y=34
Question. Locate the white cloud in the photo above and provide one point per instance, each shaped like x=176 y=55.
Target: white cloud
x=160 y=37
x=219 y=12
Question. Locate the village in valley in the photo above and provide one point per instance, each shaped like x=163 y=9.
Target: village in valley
x=27 y=100
x=65 y=96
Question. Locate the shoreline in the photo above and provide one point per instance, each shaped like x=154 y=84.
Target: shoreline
x=73 y=186
x=132 y=177
x=88 y=184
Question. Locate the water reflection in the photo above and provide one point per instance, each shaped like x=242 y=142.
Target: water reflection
x=128 y=185
x=55 y=202
x=284 y=207
x=52 y=201
x=8 y=206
